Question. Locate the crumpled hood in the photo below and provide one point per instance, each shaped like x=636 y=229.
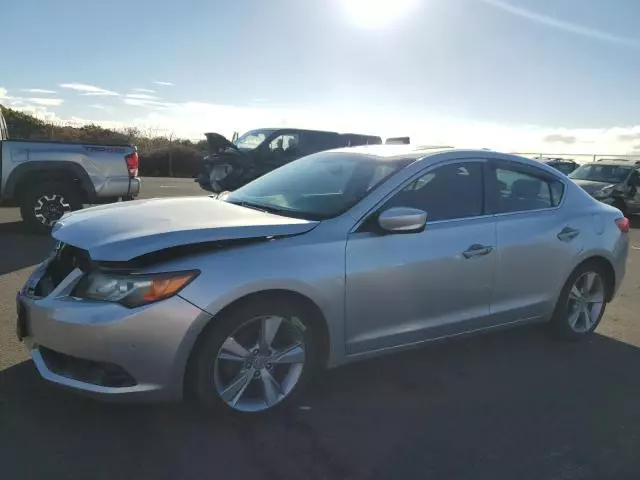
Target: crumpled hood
x=590 y=186
x=123 y=231
x=217 y=142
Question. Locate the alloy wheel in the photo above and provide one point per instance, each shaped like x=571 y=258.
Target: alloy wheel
x=260 y=363
x=586 y=301
x=49 y=208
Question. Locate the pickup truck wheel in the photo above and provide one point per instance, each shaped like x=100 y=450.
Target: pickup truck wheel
x=43 y=204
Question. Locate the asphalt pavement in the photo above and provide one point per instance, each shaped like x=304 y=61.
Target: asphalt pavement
x=510 y=405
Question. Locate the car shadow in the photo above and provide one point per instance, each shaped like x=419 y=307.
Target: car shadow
x=20 y=248
x=634 y=221
x=514 y=404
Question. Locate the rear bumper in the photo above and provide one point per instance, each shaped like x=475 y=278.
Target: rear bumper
x=109 y=351
x=134 y=186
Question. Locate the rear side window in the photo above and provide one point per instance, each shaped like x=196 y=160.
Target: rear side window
x=513 y=190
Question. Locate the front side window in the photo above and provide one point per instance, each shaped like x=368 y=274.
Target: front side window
x=512 y=190
x=252 y=139
x=445 y=193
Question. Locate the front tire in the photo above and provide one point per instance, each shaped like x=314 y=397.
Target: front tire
x=254 y=358
x=582 y=303
x=43 y=204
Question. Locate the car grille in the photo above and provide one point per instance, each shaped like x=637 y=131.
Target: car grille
x=66 y=259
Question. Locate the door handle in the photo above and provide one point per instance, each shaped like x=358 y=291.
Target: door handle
x=477 y=250
x=567 y=234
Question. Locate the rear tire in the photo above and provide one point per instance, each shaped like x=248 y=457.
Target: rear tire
x=233 y=370
x=43 y=204
x=581 y=304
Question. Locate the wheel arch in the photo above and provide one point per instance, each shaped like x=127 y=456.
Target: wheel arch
x=31 y=172
x=316 y=316
x=605 y=265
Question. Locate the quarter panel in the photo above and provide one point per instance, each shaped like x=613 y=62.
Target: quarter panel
x=104 y=166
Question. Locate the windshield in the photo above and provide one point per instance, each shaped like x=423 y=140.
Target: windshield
x=318 y=186
x=601 y=173
x=252 y=139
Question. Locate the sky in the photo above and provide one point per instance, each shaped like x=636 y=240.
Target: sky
x=515 y=75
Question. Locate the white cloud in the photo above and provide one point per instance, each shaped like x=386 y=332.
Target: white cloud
x=90 y=90
x=570 y=27
x=49 y=102
x=164 y=84
x=151 y=104
x=104 y=108
x=142 y=96
x=193 y=119
x=143 y=90
x=38 y=90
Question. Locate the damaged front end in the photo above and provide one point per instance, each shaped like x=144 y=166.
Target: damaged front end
x=225 y=166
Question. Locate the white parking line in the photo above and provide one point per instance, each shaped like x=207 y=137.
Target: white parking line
x=169 y=186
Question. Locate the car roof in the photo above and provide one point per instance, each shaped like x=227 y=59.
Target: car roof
x=388 y=152
x=427 y=155
x=614 y=163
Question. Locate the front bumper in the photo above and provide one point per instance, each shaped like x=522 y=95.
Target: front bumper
x=147 y=346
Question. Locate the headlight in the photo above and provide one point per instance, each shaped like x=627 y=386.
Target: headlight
x=132 y=290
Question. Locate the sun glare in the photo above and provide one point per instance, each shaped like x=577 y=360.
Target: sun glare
x=373 y=14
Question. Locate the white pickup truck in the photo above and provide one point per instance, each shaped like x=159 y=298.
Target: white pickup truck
x=47 y=179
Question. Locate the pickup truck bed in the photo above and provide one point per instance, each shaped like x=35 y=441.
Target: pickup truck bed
x=49 y=178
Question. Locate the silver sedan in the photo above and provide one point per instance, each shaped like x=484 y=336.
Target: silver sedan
x=338 y=256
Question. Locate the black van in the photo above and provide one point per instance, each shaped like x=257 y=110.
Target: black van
x=230 y=165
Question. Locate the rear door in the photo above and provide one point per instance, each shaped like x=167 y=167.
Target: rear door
x=536 y=238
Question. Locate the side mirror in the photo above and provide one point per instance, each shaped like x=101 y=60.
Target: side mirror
x=402 y=220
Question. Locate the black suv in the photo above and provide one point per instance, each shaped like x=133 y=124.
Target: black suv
x=615 y=183
x=230 y=165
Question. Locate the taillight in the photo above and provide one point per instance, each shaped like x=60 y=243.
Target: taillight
x=132 y=164
x=623 y=224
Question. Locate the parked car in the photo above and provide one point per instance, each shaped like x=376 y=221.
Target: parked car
x=230 y=165
x=614 y=182
x=339 y=256
x=563 y=165
x=47 y=179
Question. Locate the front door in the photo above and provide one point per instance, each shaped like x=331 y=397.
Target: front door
x=407 y=288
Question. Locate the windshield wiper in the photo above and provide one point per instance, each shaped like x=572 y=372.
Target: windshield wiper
x=284 y=212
